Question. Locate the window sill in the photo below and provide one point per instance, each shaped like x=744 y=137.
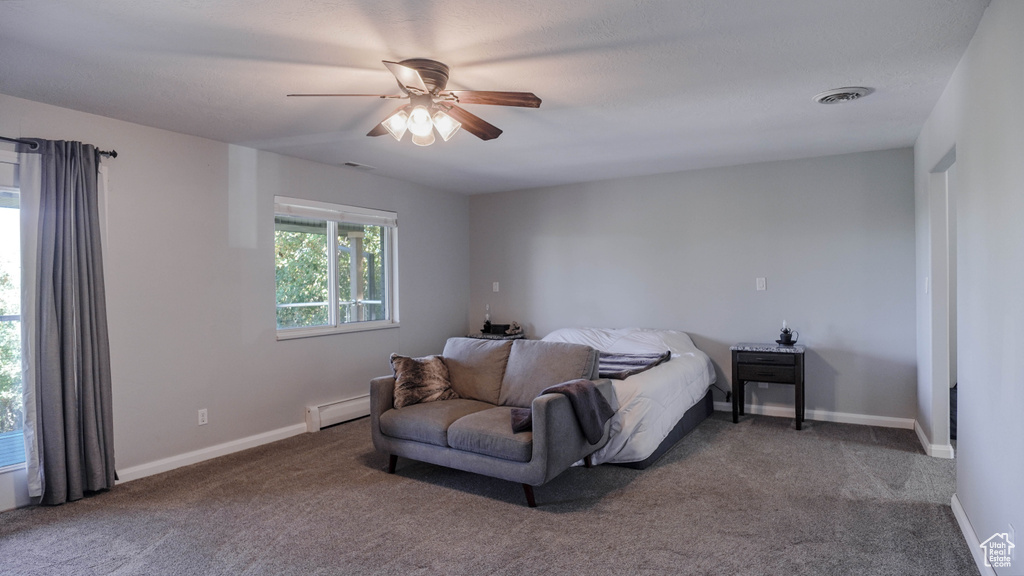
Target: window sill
x=293 y=333
x=12 y=468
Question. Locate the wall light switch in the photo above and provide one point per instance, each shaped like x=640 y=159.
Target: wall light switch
x=494 y=286
x=762 y=284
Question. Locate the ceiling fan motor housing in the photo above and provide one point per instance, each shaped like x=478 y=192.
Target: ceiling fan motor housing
x=434 y=73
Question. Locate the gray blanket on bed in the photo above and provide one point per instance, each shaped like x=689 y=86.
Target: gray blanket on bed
x=591 y=408
x=622 y=366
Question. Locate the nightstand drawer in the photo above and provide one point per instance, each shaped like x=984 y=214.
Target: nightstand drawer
x=762 y=373
x=766 y=358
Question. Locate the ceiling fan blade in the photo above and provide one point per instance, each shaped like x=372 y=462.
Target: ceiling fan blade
x=370 y=95
x=524 y=99
x=474 y=124
x=379 y=129
x=408 y=78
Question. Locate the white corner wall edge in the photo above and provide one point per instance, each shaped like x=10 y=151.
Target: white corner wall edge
x=936 y=450
x=166 y=464
x=973 y=542
x=824 y=416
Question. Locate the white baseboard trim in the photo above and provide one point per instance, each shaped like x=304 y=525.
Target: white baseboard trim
x=823 y=415
x=936 y=450
x=332 y=413
x=166 y=464
x=973 y=542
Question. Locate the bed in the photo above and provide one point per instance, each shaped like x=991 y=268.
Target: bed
x=657 y=407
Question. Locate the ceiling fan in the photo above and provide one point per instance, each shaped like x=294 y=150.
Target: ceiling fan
x=431 y=107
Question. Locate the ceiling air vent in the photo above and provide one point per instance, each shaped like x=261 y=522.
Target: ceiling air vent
x=840 y=95
x=358 y=166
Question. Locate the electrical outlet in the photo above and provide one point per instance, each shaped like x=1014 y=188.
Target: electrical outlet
x=202 y=417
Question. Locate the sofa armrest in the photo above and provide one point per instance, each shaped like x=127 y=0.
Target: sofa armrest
x=382 y=399
x=557 y=438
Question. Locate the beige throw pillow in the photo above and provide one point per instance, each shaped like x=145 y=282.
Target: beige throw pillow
x=420 y=380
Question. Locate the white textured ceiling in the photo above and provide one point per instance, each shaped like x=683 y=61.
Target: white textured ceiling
x=628 y=87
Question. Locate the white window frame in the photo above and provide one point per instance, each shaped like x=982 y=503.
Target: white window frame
x=335 y=214
x=8 y=157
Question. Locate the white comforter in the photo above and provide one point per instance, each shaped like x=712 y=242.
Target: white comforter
x=647 y=405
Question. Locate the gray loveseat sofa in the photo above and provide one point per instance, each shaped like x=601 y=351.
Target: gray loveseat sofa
x=474 y=432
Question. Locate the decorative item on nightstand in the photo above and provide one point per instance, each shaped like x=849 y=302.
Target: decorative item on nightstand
x=500 y=332
x=499 y=328
x=492 y=331
x=504 y=329
x=787 y=337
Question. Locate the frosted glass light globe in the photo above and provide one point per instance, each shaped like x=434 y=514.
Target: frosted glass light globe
x=445 y=125
x=396 y=124
x=423 y=140
x=419 y=121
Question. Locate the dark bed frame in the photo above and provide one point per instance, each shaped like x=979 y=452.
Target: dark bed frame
x=691 y=418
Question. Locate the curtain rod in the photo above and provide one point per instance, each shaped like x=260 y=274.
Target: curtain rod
x=35 y=145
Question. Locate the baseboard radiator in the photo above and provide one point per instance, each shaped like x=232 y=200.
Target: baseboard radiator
x=324 y=415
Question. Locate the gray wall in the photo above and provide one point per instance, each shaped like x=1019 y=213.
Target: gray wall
x=190 y=282
x=834 y=237
x=980 y=116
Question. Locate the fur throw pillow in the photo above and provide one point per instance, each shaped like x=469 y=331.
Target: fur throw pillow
x=420 y=380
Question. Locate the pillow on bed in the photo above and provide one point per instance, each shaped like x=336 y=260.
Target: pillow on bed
x=420 y=380
x=646 y=341
x=627 y=340
x=597 y=338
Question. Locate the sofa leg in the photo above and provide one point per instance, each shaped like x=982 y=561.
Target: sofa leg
x=529 y=495
x=588 y=461
x=392 y=463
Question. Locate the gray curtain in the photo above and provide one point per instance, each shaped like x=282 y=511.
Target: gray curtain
x=70 y=415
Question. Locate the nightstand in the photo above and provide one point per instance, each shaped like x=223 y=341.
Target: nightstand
x=767 y=363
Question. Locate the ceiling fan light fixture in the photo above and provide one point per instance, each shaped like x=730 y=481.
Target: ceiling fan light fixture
x=419 y=122
x=397 y=124
x=423 y=140
x=429 y=105
x=445 y=125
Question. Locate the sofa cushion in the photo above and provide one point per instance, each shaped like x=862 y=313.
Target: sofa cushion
x=489 y=432
x=420 y=380
x=428 y=422
x=533 y=365
x=475 y=367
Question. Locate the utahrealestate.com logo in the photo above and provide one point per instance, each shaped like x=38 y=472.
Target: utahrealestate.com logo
x=998 y=550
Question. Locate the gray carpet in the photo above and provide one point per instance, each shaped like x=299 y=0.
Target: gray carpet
x=756 y=497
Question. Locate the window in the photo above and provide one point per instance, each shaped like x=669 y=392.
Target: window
x=335 y=268
x=12 y=445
